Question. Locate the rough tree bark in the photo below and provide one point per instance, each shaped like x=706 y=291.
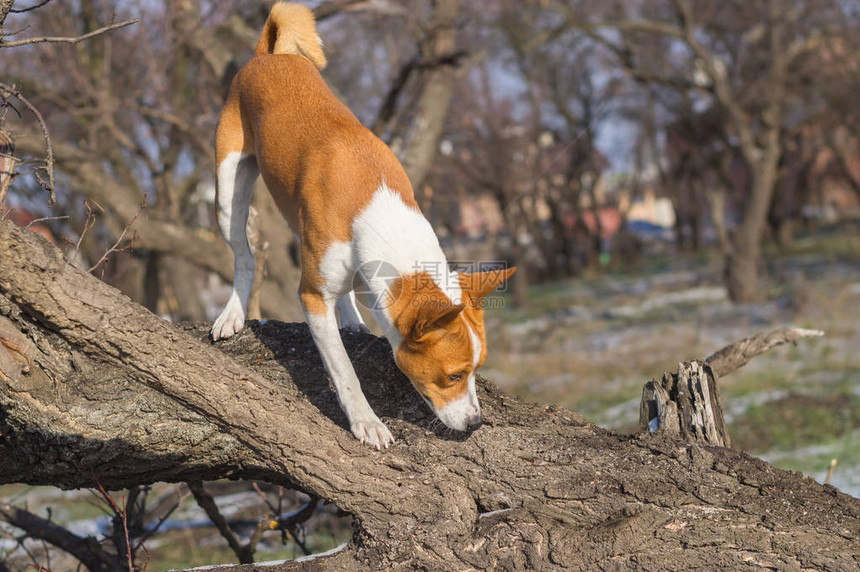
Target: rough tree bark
x=95 y=386
x=687 y=403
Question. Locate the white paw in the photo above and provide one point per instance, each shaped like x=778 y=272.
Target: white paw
x=231 y=321
x=358 y=327
x=373 y=432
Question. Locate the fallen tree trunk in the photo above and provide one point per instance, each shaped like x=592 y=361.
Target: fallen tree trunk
x=95 y=387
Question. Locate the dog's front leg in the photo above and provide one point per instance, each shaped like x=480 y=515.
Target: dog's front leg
x=363 y=422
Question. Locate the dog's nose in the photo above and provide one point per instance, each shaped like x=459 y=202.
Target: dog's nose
x=474 y=422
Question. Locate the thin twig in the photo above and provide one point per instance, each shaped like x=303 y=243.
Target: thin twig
x=67 y=40
x=29 y=8
x=152 y=530
x=328 y=9
x=91 y=218
x=293 y=524
x=34 y=562
x=251 y=547
x=91 y=554
x=49 y=160
x=830 y=471
x=130 y=244
x=45 y=218
x=47 y=554
x=123 y=518
x=148 y=558
x=265 y=499
x=15 y=33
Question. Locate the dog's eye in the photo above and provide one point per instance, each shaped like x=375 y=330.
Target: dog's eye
x=455 y=377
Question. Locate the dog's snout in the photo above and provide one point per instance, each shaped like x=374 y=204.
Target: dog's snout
x=474 y=422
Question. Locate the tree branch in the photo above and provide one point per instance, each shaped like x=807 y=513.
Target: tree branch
x=29 y=8
x=334 y=7
x=435 y=96
x=722 y=86
x=199 y=246
x=207 y=503
x=625 y=53
x=66 y=40
x=86 y=550
x=49 y=160
x=736 y=355
x=8 y=161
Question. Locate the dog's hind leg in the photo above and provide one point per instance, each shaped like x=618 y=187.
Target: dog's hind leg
x=236 y=176
x=350 y=318
x=237 y=172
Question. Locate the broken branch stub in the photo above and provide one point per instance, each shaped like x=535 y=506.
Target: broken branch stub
x=686 y=403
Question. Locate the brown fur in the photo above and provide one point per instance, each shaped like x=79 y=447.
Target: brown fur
x=320 y=164
x=435 y=331
x=290 y=29
x=322 y=167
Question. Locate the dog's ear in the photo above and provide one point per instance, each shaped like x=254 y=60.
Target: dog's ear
x=434 y=313
x=479 y=284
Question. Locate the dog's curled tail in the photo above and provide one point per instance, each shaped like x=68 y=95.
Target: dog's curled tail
x=290 y=29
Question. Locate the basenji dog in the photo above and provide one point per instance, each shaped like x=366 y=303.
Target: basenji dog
x=350 y=203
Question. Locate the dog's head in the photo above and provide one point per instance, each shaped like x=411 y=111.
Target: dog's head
x=443 y=341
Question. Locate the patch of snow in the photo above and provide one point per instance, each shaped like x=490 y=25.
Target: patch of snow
x=492 y=512
x=334 y=550
x=691 y=295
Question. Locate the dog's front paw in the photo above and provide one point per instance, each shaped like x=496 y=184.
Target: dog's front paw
x=231 y=321
x=373 y=432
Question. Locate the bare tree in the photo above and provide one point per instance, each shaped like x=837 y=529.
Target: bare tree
x=744 y=57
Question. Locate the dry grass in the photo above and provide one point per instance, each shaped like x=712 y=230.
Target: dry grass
x=590 y=345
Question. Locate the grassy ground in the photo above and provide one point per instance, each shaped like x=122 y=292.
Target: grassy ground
x=590 y=345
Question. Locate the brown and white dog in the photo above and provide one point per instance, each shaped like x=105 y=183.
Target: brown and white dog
x=348 y=199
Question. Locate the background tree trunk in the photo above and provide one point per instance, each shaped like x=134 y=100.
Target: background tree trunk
x=94 y=386
x=7 y=163
x=435 y=98
x=744 y=258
